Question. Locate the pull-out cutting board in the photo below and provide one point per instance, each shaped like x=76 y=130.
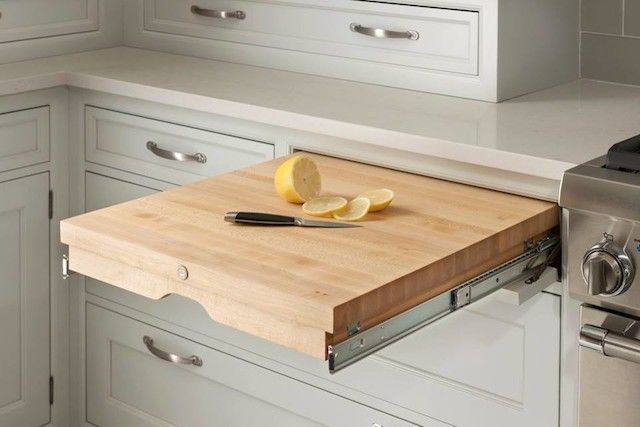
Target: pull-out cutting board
x=304 y=287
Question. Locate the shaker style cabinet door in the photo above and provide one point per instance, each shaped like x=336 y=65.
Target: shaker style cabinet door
x=24 y=301
x=31 y=19
x=132 y=381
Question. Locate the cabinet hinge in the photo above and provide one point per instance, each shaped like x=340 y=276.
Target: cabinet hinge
x=51 y=390
x=50 y=204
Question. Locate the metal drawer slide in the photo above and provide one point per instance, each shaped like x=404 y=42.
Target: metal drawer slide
x=526 y=268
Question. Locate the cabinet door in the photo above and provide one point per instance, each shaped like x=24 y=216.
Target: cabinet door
x=24 y=301
x=30 y=19
x=131 y=383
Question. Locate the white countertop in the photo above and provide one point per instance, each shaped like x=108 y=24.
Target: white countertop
x=538 y=135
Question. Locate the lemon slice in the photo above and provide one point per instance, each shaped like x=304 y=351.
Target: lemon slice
x=356 y=209
x=298 y=180
x=379 y=199
x=324 y=206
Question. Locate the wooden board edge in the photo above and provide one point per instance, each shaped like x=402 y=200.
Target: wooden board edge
x=308 y=340
x=404 y=293
x=164 y=268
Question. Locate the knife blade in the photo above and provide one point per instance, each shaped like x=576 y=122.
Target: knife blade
x=260 y=218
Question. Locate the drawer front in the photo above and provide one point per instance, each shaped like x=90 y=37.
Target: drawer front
x=29 y=19
x=24 y=138
x=417 y=36
x=129 y=385
x=121 y=141
x=498 y=361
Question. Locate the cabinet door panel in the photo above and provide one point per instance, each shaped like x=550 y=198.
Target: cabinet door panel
x=128 y=385
x=24 y=138
x=29 y=19
x=24 y=301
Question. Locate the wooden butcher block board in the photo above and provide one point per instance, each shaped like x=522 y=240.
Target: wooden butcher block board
x=303 y=287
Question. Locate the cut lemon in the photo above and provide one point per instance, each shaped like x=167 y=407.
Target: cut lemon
x=324 y=206
x=379 y=199
x=298 y=180
x=356 y=209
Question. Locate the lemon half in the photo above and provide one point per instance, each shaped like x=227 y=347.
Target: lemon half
x=379 y=199
x=324 y=206
x=355 y=210
x=298 y=180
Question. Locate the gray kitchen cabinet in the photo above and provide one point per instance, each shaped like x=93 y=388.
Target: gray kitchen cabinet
x=38 y=28
x=25 y=138
x=24 y=301
x=129 y=385
x=500 y=361
x=474 y=49
x=225 y=391
x=151 y=147
x=23 y=20
x=440 y=39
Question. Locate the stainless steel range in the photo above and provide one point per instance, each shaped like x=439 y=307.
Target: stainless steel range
x=601 y=256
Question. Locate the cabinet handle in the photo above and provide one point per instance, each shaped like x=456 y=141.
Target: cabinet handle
x=169 y=357
x=174 y=155
x=384 y=34
x=220 y=14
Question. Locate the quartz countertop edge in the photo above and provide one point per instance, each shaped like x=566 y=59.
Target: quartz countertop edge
x=539 y=135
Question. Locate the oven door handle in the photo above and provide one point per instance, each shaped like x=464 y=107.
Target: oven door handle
x=610 y=343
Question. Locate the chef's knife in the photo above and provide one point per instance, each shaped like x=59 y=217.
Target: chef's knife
x=271 y=219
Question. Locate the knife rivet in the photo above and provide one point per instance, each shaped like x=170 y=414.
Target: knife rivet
x=183 y=273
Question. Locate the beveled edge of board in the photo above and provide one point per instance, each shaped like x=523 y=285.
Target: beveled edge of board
x=164 y=267
x=411 y=290
x=308 y=340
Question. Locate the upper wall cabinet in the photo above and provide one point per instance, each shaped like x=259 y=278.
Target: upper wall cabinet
x=431 y=39
x=38 y=28
x=29 y=19
x=482 y=49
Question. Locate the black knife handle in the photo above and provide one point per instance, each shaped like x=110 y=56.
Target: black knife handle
x=259 y=218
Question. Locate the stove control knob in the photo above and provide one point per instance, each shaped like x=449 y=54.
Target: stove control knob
x=607 y=270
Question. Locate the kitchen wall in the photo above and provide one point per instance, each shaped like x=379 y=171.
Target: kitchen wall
x=610 y=34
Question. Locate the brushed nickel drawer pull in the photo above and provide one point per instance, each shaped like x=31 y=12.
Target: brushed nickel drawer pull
x=220 y=14
x=175 y=155
x=169 y=357
x=384 y=34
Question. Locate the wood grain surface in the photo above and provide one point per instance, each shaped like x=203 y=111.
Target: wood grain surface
x=302 y=287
